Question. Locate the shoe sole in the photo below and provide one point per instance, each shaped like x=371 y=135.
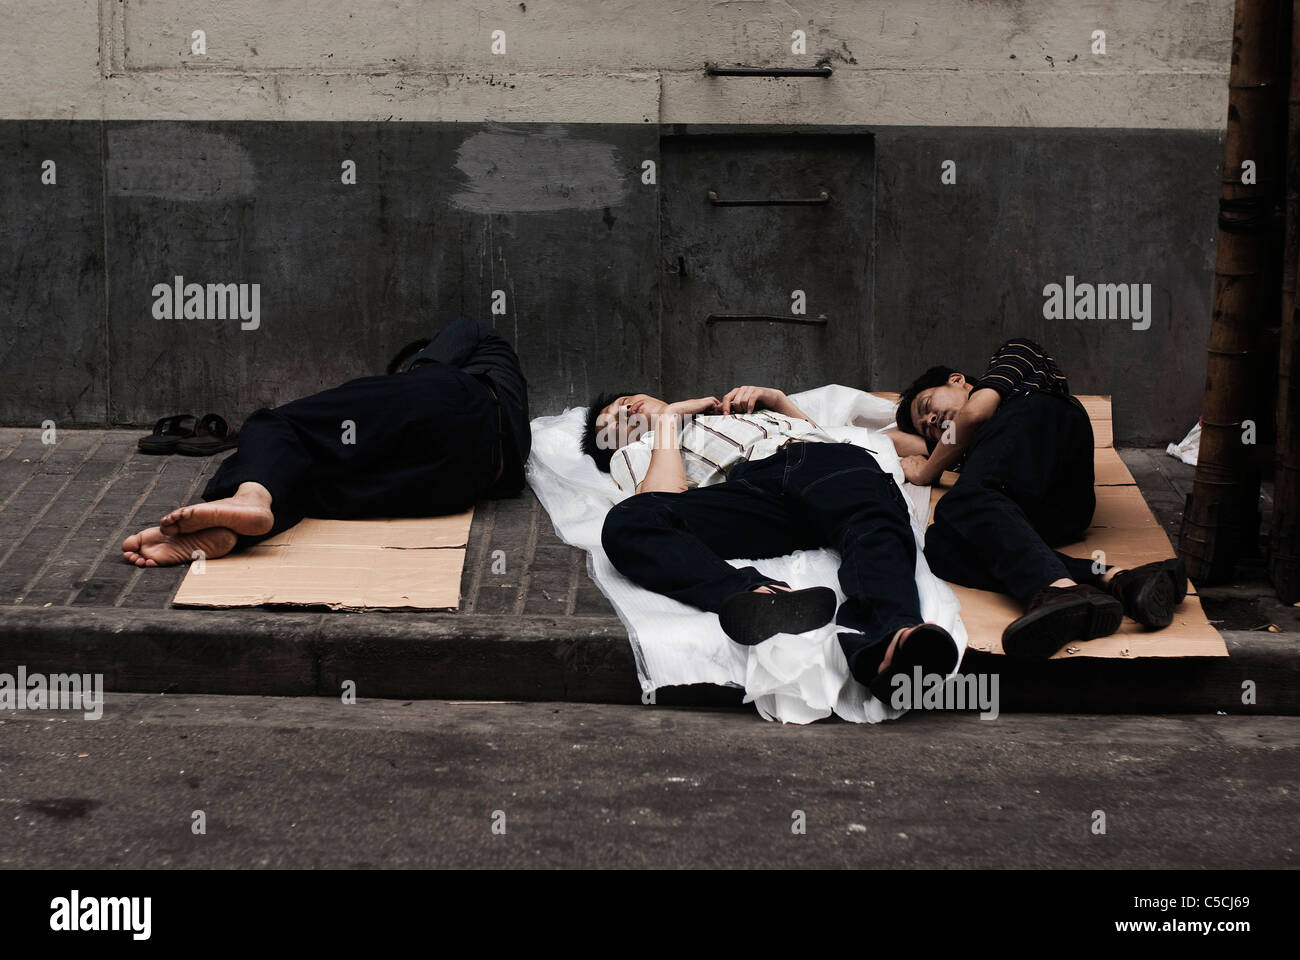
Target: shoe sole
x=750 y=618
x=155 y=446
x=1156 y=601
x=1039 y=635
x=204 y=451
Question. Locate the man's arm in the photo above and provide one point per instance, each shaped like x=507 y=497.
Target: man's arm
x=924 y=471
x=456 y=342
x=749 y=399
x=907 y=444
x=667 y=473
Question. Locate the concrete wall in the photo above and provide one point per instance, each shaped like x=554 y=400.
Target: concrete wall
x=522 y=172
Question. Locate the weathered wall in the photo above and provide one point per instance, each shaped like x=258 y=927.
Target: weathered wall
x=959 y=62
x=522 y=172
x=963 y=266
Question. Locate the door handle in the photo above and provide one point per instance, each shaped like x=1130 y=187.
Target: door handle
x=817 y=321
x=714 y=70
x=820 y=200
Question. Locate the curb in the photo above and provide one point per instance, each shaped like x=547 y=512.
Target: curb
x=582 y=659
x=448 y=657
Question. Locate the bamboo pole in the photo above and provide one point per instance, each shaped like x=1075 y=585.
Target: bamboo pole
x=1284 y=534
x=1221 y=518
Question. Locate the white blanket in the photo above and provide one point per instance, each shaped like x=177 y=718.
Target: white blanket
x=795 y=679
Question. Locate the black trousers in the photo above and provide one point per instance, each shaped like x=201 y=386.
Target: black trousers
x=806 y=495
x=1026 y=486
x=414 y=444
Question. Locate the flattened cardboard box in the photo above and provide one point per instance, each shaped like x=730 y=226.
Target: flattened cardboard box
x=404 y=563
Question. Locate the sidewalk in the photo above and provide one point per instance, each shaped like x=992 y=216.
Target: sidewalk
x=539 y=631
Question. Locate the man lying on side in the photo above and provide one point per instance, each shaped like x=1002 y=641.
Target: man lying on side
x=1024 y=448
x=447 y=426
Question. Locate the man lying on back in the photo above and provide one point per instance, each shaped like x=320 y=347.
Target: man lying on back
x=752 y=476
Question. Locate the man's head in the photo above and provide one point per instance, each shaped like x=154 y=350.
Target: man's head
x=614 y=420
x=935 y=396
x=406 y=353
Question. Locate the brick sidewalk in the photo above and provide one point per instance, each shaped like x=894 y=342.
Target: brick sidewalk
x=540 y=631
x=66 y=507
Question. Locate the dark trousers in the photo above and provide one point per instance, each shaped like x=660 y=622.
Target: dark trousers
x=806 y=495
x=423 y=443
x=1026 y=486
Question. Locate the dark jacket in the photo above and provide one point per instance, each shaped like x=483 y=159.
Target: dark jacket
x=477 y=349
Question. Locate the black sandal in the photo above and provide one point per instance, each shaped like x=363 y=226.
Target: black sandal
x=750 y=618
x=167 y=433
x=930 y=647
x=211 y=435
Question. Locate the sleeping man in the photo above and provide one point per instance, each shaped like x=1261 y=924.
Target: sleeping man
x=446 y=426
x=752 y=476
x=1024 y=448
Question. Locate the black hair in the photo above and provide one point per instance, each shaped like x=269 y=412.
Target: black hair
x=934 y=377
x=406 y=353
x=602 y=453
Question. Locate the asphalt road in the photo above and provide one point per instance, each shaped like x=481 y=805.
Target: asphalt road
x=301 y=782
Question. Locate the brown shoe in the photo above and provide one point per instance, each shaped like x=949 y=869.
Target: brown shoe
x=1057 y=616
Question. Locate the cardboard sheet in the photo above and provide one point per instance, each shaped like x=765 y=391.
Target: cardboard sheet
x=1125 y=530
x=1108 y=469
x=407 y=563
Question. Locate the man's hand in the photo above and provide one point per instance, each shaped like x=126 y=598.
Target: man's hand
x=696 y=407
x=917 y=470
x=749 y=399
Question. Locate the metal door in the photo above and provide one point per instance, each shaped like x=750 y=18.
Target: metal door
x=751 y=224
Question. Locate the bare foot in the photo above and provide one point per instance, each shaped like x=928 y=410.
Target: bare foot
x=247 y=512
x=153 y=548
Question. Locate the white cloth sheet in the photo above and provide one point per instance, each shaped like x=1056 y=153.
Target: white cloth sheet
x=794 y=679
x=1189 y=448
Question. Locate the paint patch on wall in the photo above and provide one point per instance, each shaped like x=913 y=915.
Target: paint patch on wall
x=509 y=172
x=176 y=162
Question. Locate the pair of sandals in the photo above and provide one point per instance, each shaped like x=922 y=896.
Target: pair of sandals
x=749 y=618
x=189 y=435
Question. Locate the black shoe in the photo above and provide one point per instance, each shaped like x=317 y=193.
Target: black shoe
x=751 y=618
x=1057 y=616
x=929 y=646
x=1150 y=592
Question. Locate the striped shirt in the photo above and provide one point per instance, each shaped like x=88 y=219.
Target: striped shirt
x=1022 y=366
x=712 y=445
